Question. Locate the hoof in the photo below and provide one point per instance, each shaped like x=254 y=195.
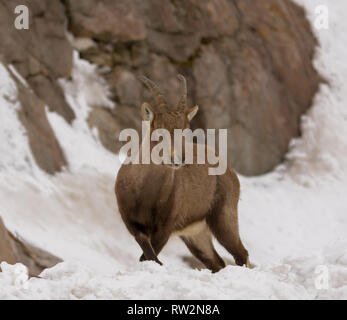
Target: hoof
x=143 y=258
x=248 y=264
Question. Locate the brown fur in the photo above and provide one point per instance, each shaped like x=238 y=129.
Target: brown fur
x=157 y=201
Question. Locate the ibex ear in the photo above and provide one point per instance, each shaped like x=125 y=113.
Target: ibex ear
x=147 y=112
x=192 y=112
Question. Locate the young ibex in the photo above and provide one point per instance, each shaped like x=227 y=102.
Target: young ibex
x=157 y=201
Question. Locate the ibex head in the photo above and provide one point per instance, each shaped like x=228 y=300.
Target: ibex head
x=161 y=117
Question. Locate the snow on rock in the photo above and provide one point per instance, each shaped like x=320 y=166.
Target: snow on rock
x=16 y=157
x=319 y=155
x=80 y=144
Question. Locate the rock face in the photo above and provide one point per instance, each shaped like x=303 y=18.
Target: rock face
x=248 y=66
x=41 y=55
x=14 y=250
x=43 y=143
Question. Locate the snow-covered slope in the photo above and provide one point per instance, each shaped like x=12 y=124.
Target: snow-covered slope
x=293 y=221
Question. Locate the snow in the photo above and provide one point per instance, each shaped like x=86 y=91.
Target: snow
x=87 y=89
x=293 y=221
x=16 y=157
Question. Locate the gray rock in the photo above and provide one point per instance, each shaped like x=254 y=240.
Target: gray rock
x=42 y=140
x=41 y=55
x=248 y=66
x=106 y=20
x=15 y=250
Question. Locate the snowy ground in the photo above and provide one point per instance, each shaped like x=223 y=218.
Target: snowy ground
x=293 y=221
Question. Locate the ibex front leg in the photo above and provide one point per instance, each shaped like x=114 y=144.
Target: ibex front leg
x=146 y=246
x=157 y=241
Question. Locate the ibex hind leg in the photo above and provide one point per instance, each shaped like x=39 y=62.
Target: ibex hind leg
x=224 y=226
x=201 y=246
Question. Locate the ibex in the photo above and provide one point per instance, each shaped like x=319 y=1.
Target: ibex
x=159 y=200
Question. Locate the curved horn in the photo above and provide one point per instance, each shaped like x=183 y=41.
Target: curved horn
x=158 y=96
x=182 y=104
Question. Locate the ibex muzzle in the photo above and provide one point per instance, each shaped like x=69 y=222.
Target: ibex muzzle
x=159 y=200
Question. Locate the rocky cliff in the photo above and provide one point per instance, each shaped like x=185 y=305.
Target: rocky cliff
x=15 y=250
x=248 y=66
